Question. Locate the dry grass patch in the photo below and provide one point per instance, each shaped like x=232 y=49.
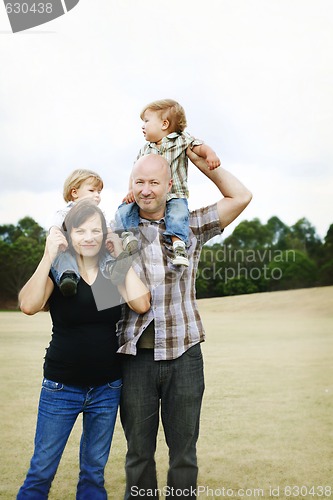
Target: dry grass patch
x=267 y=411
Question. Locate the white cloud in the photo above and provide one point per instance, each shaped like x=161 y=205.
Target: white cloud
x=254 y=77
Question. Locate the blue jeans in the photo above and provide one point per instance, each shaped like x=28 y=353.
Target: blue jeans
x=65 y=262
x=59 y=407
x=176 y=218
x=177 y=387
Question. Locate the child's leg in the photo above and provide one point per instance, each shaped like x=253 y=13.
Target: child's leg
x=65 y=262
x=127 y=221
x=177 y=219
x=127 y=217
x=177 y=228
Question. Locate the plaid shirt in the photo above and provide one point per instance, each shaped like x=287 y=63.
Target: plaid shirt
x=173 y=304
x=173 y=149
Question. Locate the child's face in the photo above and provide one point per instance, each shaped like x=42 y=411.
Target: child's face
x=88 y=189
x=154 y=127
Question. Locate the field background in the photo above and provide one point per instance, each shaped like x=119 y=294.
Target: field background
x=267 y=412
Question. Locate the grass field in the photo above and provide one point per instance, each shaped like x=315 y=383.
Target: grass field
x=267 y=419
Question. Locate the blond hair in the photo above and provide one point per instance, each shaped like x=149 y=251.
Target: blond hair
x=75 y=180
x=169 y=110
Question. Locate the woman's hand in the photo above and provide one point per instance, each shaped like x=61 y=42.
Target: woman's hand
x=55 y=243
x=113 y=244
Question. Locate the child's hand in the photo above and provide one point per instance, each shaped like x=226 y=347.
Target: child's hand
x=129 y=198
x=213 y=161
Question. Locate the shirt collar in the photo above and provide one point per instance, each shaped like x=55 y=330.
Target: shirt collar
x=167 y=138
x=149 y=221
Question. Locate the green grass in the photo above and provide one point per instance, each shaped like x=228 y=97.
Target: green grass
x=267 y=411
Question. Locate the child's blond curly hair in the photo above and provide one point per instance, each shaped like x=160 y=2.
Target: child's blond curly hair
x=169 y=110
x=76 y=178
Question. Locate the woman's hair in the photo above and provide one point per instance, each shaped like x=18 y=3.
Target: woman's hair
x=76 y=178
x=169 y=110
x=78 y=214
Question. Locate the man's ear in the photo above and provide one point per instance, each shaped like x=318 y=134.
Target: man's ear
x=165 y=124
x=170 y=185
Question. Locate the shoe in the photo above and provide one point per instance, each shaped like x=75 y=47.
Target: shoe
x=118 y=269
x=130 y=242
x=68 y=284
x=180 y=255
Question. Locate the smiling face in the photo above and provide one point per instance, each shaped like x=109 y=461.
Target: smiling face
x=151 y=183
x=88 y=189
x=154 y=127
x=87 y=238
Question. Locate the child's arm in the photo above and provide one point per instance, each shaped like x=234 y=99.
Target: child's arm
x=208 y=154
x=129 y=198
x=201 y=164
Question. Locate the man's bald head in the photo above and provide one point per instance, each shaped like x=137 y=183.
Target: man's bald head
x=149 y=164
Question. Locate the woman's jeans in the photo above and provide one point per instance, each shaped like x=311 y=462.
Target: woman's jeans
x=59 y=407
x=177 y=386
x=176 y=218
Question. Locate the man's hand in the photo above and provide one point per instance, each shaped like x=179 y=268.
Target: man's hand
x=212 y=161
x=206 y=153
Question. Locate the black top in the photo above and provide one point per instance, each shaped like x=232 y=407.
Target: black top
x=83 y=347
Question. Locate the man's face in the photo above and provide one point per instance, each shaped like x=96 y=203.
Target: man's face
x=151 y=183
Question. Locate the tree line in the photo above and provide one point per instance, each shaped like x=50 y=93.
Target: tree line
x=256 y=257
x=260 y=257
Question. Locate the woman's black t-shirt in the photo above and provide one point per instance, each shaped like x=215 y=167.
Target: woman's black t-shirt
x=83 y=347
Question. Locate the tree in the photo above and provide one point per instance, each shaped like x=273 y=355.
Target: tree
x=249 y=234
x=292 y=272
x=278 y=231
x=326 y=268
x=21 y=248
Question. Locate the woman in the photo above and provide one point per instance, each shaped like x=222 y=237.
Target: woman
x=81 y=369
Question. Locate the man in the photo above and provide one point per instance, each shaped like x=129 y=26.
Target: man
x=162 y=362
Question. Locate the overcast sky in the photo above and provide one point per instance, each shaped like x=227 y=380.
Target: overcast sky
x=254 y=76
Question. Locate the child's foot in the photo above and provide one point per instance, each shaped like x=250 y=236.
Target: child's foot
x=68 y=284
x=180 y=254
x=130 y=242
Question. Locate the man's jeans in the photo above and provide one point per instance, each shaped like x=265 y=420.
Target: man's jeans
x=59 y=407
x=176 y=218
x=179 y=385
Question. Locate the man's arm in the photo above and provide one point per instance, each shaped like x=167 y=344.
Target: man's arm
x=236 y=196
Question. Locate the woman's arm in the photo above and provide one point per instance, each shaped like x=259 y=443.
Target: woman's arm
x=36 y=292
x=131 y=288
x=135 y=292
